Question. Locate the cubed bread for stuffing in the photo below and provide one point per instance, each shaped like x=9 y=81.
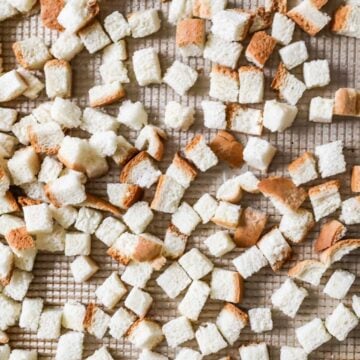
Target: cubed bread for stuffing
x=50 y=324
x=188 y=354
x=254 y=351
x=219 y=243
x=101 y=354
x=114 y=71
x=180 y=77
x=124 y=195
x=292 y=353
x=31 y=53
x=209 y=339
x=144 y=23
x=12 y=85
x=66 y=46
x=4 y=349
x=190 y=37
x=312 y=335
x=83 y=268
x=115 y=52
x=356 y=305
x=111 y=291
x=35 y=86
x=226 y=285
x=181 y=171
x=77 y=243
x=288 y=298
x=331 y=160
x=138 y=301
x=58 y=78
x=178 y=116
x=73 y=316
x=278 y=116
x=346 y=102
x=6 y=264
x=251 y=225
x=30 y=313
x=339 y=284
x=104 y=142
x=258 y=153
x=88 y=220
x=137 y=274
x=207 y=9
x=308 y=17
x=38 y=219
x=17 y=354
x=260 y=320
x=303 y=169
x=214 y=114
x=344 y=20
x=102 y=95
x=178 y=10
x=8 y=203
x=206 y=207
x=224 y=83
x=24 y=166
x=290 y=88
x=196 y=264
x=7 y=118
x=95 y=121
x=194 y=300
x=321 y=110
x=9 y=312
x=50 y=169
x=337 y=251
x=227 y=215
x=250 y=262
x=138 y=217
x=147 y=66
x=94 y=37
x=251 y=85
x=145 y=334
x=66 y=113
x=96 y=321
x=260 y=48
x=309 y=271
x=174 y=242
x=224 y=53
x=261 y=19
x=133 y=115
x=241 y=118
x=350 y=211
x=282 y=29
x=120 y=323
x=294 y=54
x=8 y=145
x=116 y=26
x=19 y=129
x=7 y=11
x=109 y=230
x=178 y=331
x=330 y=233
x=151 y=139
x=230 y=321
x=316 y=73
x=185 y=219
x=46 y=138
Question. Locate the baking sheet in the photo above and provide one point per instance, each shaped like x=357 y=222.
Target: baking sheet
x=53 y=280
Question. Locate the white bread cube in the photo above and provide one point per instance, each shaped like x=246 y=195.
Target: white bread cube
x=224 y=84
x=219 y=243
x=250 y=262
x=65 y=215
x=350 y=211
x=209 y=339
x=316 y=73
x=46 y=138
x=66 y=113
x=282 y=29
x=254 y=351
x=260 y=320
x=124 y=195
x=190 y=37
x=173 y=280
x=258 y=153
x=66 y=46
x=138 y=301
x=188 y=354
x=100 y=354
x=31 y=53
x=145 y=334
x=138 y=217
x=116 y=26
x=345 y=19
x=339 y=284
x=8 y=203
x=30 y=313
x=133 y=115
x=24 y=166
x=252 y=82
x=147 y=66
x=248 y=182
x=6 y=263
x=303 y=169
x=331 y=160
x=58 y=78
x=137 y=274
x=77 y=243
x=94 y=37
x=83 y=268
x=114 y=71
x=4 y=349
x=178 y=116
x=109 y=230
x=178 y=10
x=88 y=220
x=321 y=110
x=106 y=94
x=151 y=139
x=20 y=128
x=312 y=335
x=95 y=121
x=7 y=145
x=150 y=355
x=206 y=207
x=105 y=142
x=7 y=11
x=23 y=354
x=35 y=86
x=123 y=248
x=9 y=312
x=227 y=215
x=124 y=152
x=38 y=219
x=207 y=9
x=73 y=316
x=9 y=223
x=96 y=321
x=25 y=259
x=292 y=353
x=214 y=114
x=180 y=77
x=12 y=85
x=278 y=116
x=194 y=300
x=294 y=54
x=341 y=322
x=196 y=264
x=244 y=119
x=120 y=323
x=226 y=285
x=110 y=292
x=50 y=324
x=144 y=23
x=310 y=271
x=181 y=171
x=230 y=321
x=356 y=305
x=288 y=298
x=174 y=242
x=70 y=346
x=50 y=169
x=178 y=331
x=115 y=52
x=225 y=53
x=7 y=118
x=185 y=219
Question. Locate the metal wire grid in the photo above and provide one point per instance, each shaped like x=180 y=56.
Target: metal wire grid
x=53 y=280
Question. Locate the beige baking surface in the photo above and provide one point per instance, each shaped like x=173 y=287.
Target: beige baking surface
x=53 y=280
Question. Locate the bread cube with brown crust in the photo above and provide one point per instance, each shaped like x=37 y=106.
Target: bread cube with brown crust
x=190 y=37
x=260 y=48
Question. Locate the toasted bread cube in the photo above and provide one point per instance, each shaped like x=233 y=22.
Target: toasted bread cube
x=260 y=320
x=94 y=37
x=229 y=191
x=356 y=305
x=96 y=321
x=66 y=46
x=7 y=118
x=38 y=219
x=70 y=346
x=344 y=20
x=196 y=264
x=180 y=77
x=185 y=219
x=133 y=115
x=35 y=86
x=4 y=349
x=214 y=114
x=12 y=85
x=147 y=66
x=219 y=243
x=316 y=73
x=260 y=48
x=50 y=324
x=83 y=268
x=282 y=29
x=278 y=116
x=58 y=78
x=19 y=284
x=30 y=313
x=95 y=121
x=144 y=23
x=178 y=10
x=77 y=243
x=251 y=85
x=224 y=83
x=145 y=334
x=111 y=291
x=226 y=285
x=188 y=354
x=7 y=11
x=244 y=119
x=138 y=217
x=294 y=54
x=206 y=207
x=116 y=26
x=73 y=316
x=151 y=139
x=248 y=182
x=178 y=331
x=350 y=209
x=261 y=19
x=227 y=215
x=137 y=274
x=114 y=71
x=138 y=301
x=174 y=242
x=178 y=117
x=254 y=351
x=120 y=323
x=102 y=95
x=88 y=220
x=124 y=152
x=321 y=110
x=190 y=37
x=259 y=153
x=46 y=138
x=292 y=353
x=346 y=102
x=66 y=113
x=331 y=160
x=250 y=262
x=209 y=339
x=23 y=354
x=109 y=230
x=303 y=169
x=230 y=321
x=9 y=311
x=339 y=284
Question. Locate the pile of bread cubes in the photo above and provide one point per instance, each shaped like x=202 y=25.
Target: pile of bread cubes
x=44 y=205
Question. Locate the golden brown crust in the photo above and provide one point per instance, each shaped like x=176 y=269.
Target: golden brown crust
x=89 y=314
x=280 y=77
x=110 y=99
x=127 y=169
x=239 y=287
x=6 y=280
x=319 y=3
x=225 y=71
x=202 y=9
x=190 y=32
x=228 y=149
x=38 y=147
x=355 y=179
x=193 y=143
x=135 y=193
x=250 y=68
x=118 y=256
x=160 y=187
x=11 y=201
x=260 y=48
x=340 y=18
x=302 y=266
x=241 y=315
x=251 y=225
x=300 y=161
x=52 y=198
x=50 y=10
x=326 y=257
x=186 y=167
x=20 y=239
x=4 y=339
x=146 y=249
x=285 y=256
x=347 y=102
x=27 y=201
x=330 y=233
x=329 y=185
x=262 y=19
x=97 y=203
x=304 y=23
x=279 y=6
x=19 y=55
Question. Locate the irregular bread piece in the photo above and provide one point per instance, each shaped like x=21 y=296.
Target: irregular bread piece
x=330 y=233
x=346 y=21
x=337 y=251
x=151 y=139
x=174 y=242
x=145 y=334
x=178 y=116
x=106 y=94
x=303 y=169
x=355 y=179
x=309 y=271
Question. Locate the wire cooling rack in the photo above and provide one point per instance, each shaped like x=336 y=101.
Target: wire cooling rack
x=53 y=280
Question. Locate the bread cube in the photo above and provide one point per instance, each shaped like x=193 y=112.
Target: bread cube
x=316 y=73
x=50 y=169
x=292 y=353
x=196 y=264
x=23 y=354
x=282 y=29
x=114 y=71
x=8 y=203
x=123 y=248
x=181 y=171
x=243 y=119
x=254 y=351
x=95 y=121
x=151 y=139
x=35 y=86
x=185 y=219
x=5 y=349
x=144 y=23
x=219 y=243
x=226 y=285
x=104 y=142
x=260 y=48
x=133 y=115
x=346 y=100
x=137 y=274
x=20 y=130
x=138 y=301
x=7 y=118
x=88 y=220
x=100 y=354
x=344 y=20
x=303 y=169
x=58 y=78
x=25 y=259
x=178 y=10
x=138 y=217
x=229 y=191
x=7 y=11
x=294 y=54
x=180 y=77
x=250 y=262
x=77 y=243
x=339 y=284
x=331 y=160
x=350 y=209
x=227 y=215
x=209 y=339
x=115 y=52
x=38 y=219
x=125 y=151
x=178 y=331
x=9 y=312
x=50 y=324
x=96 y=321
x=278 y=116
x=194 y=300
x=321 y=110
x=190 y=37
x=251 y=85
x=12 y=85
x=145 y=334
x=109 y=230
x=66 y=46
x=260 y=320
x=66 y=113
x=7 y=145
x=73 y=316
x=248 y=182
x=30 y=313
x=214 y=114
x=174 y=242
x=206 y=207
x=124 y=195
x=224 y=83
x=147 y=66
x=188 y=354
x=83 y=268
x=111 y=291
x=116 y=26
x=94 y=37
x=330 y=233
x=178 y=117
x=107 y=94
x=207 y=9
x=259 y=153
x=356 y=305
x=120 y=323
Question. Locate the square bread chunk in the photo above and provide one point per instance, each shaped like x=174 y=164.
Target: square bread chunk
x=209 y=339
x=339 y=284
x=147 y=66
x=83 y=268
x=350 y=211
x=178 y=116
x=30 y=313
x=345 y=19
x=241 y=118
x=259 y=153
x=116 y=26
x=50 y=324
x=250 y=262
x=321 y=110
x=70 y=346
x=226 y=285
x=109 y=230
x=206 y=207
x=73 y=316
x=110 y=292
x=178 y=331
x=294 y=54
x=282 y=29
x=346 y=102
x=138 y=217
x=316 y=73
x=196 y=264
x=224 y=83
x=188 y=354
x=278 y=116
x=181 y=171
x=207 y=9
x=260 y=320
x=356 y=305
x=303 y=169
x=185 y=219
x=138 y=301
x=219 y=243
x=260 y=48
x=38 y=219
x=331 y=160
x=251 y=85
x=214 y=114
x=96 y=321
x=145 y=334
x=254 y=351
x=66 y=46
x=227 y=215
x=58 y=77
x=120 y=323
x=174 y=242
x=144 y=23
x=137 y=273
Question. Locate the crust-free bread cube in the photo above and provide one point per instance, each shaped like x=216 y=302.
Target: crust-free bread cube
x=100 y=354
x=116 y=26
x=224 y=83
x=104 y=142
x=8 y=203
x=214 y=114
x=194 y=300
x=178 y=331
x=124 y=195
x=339 y=284
x=196 y=264
x=190 y=37
x=83 y=268
x=46 y=138
x=316 y=73
x=292 y=353
x=178 y=10
x=115 y=52
x=66 y=46
x=278 y=116
x=241 y=118
x=38 y=219
x=219 y=243
x=350 y=211
x=294 y=54
x=174 y=242
x=138 y=217
x=7 y=118
x=73 y=316
x=5 y=349
x=227 y=215
x=226 y=285
x=88 y=220
x=66 y=113
x=288 y=298
x=96 y=321
x=260 y=320
x=254 y=351
x=206 y=207
x=345 y=20
x=151 y=139
x=250 y=262
x=114 y=71
x=260 y=48
x=312 y=335
x=178 y=116
x=180 y=77
x=207 y=9
x=185 y=219
x=282 y=29
x=109 y=230
x=30 y=313
x=12 y=85
x=77 y=243
x=50 y=169
x=356 y=304
x=303 y=169
x=188 y=354
x=35 y=86
x=261 y=19
x=144 y=23
x=259 y=153
x=181 y=171
x=25 y=259
x=137 y=274
x=120 y=323
x=133 y=115
x=145 y=334
x=23 y=354
x=58 y=78
x=331 y=160
x=9 y=312
x=111 y=291
x=95 y=121
x=147 y=66
x=102 y=95
x=138 y=301
x=209 y=339
x=50 y=324
x=251 y=85
x=321 y=110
